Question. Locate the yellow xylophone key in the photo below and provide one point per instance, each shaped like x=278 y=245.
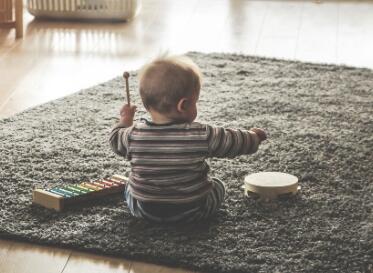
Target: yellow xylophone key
x=99 y=184
x=90 y=186
x=74 y=189
x=87 y=190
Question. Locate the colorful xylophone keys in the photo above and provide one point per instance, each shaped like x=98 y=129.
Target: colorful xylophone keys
x=58 y=197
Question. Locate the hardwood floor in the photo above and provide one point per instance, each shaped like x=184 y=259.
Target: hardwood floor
x=55 y=59
x=27 y=258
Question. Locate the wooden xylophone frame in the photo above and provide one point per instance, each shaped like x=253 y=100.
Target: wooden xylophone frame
x=58 y=198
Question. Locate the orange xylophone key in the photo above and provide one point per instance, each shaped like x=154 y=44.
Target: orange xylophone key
x=117 y=182
x=108 y=183
x=98 y=184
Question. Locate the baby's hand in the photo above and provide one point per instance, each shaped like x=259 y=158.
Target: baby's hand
x=127 y=112
x=260 y=133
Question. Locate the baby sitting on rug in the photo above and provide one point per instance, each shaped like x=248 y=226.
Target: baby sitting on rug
x=169 y=179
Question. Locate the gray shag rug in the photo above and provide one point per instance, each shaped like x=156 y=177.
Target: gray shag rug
x=319 y=118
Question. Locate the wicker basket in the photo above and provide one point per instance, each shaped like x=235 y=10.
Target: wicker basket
x=114 y=10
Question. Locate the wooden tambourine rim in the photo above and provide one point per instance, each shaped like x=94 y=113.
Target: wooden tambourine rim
x=268 y=191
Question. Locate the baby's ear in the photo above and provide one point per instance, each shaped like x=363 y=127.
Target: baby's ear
x=182 y=105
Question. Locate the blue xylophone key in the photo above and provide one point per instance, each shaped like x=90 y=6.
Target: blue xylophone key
x=58 y=192
x=68 y=191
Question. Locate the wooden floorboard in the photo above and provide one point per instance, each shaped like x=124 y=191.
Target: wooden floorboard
x=5 y=246
x=90 y=263
x=27 y=258
x=139 y=267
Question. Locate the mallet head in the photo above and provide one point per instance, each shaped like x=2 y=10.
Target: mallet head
x=126 y=75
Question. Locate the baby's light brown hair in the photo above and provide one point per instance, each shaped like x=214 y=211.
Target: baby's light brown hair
x=166 y=80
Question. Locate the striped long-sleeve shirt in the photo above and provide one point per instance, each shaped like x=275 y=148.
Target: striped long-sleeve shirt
x=168 y=161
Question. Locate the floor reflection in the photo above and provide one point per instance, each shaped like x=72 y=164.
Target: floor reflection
x=99 y=39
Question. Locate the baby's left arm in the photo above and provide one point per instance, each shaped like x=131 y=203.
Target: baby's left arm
x=226 y=142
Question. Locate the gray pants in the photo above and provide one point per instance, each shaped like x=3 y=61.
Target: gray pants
x=174 y=213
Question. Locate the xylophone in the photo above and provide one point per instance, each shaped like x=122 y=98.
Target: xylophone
x=59 y=197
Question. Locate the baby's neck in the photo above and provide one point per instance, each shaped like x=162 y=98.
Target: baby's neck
x=158 y=118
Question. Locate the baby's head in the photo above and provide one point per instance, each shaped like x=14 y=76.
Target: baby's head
x=170 y=86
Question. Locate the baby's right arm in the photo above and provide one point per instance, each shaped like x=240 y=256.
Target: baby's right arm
x=119 y=134
x=233 y=142
x=119 y=139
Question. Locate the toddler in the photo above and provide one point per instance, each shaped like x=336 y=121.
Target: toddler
x=169 y=179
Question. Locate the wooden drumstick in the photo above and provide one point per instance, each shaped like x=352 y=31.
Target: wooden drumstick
x=126 y=75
